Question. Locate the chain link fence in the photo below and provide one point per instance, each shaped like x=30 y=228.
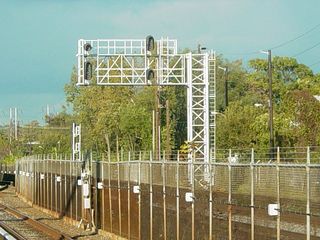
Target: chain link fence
x=136 y=196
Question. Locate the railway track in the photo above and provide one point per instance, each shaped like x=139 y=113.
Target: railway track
x=22 y=227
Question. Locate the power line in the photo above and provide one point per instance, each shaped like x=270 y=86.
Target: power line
x=279 y=45
x=243 y=54
x=315 y=63
x=306 y=50
x=296 y=38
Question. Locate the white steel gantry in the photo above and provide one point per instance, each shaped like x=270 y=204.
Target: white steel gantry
x=127 y=62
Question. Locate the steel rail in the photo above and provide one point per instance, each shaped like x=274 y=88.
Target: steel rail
x=51 y=232
x=11 y=232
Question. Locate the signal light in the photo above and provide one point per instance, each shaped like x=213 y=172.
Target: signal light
x=149 y=43
x=150 y=74
x=87 y=71
x=87 y=47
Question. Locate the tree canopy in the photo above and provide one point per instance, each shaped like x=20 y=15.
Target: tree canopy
x=124 y=114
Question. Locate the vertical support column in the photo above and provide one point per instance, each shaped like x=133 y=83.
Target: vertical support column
x=210 y=197
x=189 y=96
x=278 y=193
x=206 y=129
x=308 y=225
x=229 y=197
x=189 y=111
x=150 y=192
x=252 y=193
x=214 y=106
x=178 y=196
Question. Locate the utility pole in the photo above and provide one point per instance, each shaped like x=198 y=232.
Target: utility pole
x=157 y=122
x=226 y=100
x=200 y=48
x=10 y=126
x=48 y=110
x=15 y=124
x=271 y=140
x=168 y=150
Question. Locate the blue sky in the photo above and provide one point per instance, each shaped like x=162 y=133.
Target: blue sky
x=39 y=37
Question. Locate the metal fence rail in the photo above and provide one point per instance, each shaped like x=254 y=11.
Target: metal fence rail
x=136 y=197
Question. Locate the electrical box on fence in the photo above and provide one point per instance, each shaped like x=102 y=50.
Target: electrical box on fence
x=79 y=182
x=41 y=176
x=189 y=197
x=87 y=203
x=23 y=173
x=27 y=174
x=273 y=209
x=136 y=189
x=85 y=189
x=58 y=179
x=100 y=185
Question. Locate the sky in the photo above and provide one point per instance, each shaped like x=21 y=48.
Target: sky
x=38 y=38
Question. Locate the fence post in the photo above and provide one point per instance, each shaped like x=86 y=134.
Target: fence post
x=47 y=187
x=41 y=167
x=109 y=186
x=193 y=200
x=210 y=196
x=129 y=214
x=150 y=191
x=139 y=196
x=308 y=230
x=56 y=188
x=77 y=188
x=60 y=187
x=33 y=177
x=178 y=197
x=229 y=196
x=119 y=193
x=278 y=193
x=71 y=187
x=164 y=195
x=51 y=179
x=252 y=193
x=103 y=198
